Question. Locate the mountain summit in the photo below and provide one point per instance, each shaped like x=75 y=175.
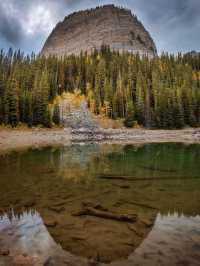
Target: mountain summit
x=90 y=29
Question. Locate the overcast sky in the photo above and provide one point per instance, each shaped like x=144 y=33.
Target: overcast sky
x=173 y=24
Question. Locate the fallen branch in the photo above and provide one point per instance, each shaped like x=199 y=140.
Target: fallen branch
x=106 y=215
x=129 y=178
x=113 y=177
x=152 y=168
x=131 y=228
x=121 y=186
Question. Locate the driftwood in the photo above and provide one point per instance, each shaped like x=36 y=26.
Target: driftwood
x=106 y=215
x=152 y=168
x=137 y=232
x=121 y=186
x=114 y=177
x=129 y=178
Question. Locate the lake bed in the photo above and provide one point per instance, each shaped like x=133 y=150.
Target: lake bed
x=103 y=203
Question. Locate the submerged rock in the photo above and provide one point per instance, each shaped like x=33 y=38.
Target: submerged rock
x=50 y=222
x=4 y=252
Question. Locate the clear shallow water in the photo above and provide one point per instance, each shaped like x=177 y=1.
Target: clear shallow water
x=158 y=182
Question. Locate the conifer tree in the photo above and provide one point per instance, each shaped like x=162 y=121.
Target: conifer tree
x=12 y=102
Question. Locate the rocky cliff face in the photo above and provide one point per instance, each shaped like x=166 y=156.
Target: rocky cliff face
x=90 y=29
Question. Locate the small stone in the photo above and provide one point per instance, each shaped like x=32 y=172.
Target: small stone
x=50 y=223
x=57 y=208
x=47 y=262
x=59 y=204
x=4 y=252
x=125 y=186
x=29 y=204
x=147 y=222
x=87 y=203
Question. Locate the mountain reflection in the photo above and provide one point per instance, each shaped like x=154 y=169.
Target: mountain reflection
x=174 y=239
x=26 y=233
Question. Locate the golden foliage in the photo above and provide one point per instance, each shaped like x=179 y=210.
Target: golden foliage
x=75 y=98
x=109 y=123
x=196 y=75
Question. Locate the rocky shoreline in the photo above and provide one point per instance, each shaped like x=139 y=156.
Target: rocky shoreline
x=137 y=135
x=11 y=139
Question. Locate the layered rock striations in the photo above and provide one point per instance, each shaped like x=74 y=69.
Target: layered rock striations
x=107 y=25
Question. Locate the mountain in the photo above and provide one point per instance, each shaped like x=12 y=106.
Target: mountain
x=192 y=53
x=90 y=29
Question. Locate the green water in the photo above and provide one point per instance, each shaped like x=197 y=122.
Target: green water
x=154 y=180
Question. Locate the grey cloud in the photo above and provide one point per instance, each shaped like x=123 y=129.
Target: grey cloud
x=174 y=24
x=10 y=28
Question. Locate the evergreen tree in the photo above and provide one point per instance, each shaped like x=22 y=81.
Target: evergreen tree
x=12 y=103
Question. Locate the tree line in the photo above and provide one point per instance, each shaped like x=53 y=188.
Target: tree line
x=158 y=92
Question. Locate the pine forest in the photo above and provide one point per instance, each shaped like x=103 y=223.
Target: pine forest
x=158 y=92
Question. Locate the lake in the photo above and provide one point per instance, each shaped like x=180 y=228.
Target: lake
x=115 y=204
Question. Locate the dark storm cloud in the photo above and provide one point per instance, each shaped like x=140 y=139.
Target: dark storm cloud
x=173 y=24
x=26 y=24
x=10 y=28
